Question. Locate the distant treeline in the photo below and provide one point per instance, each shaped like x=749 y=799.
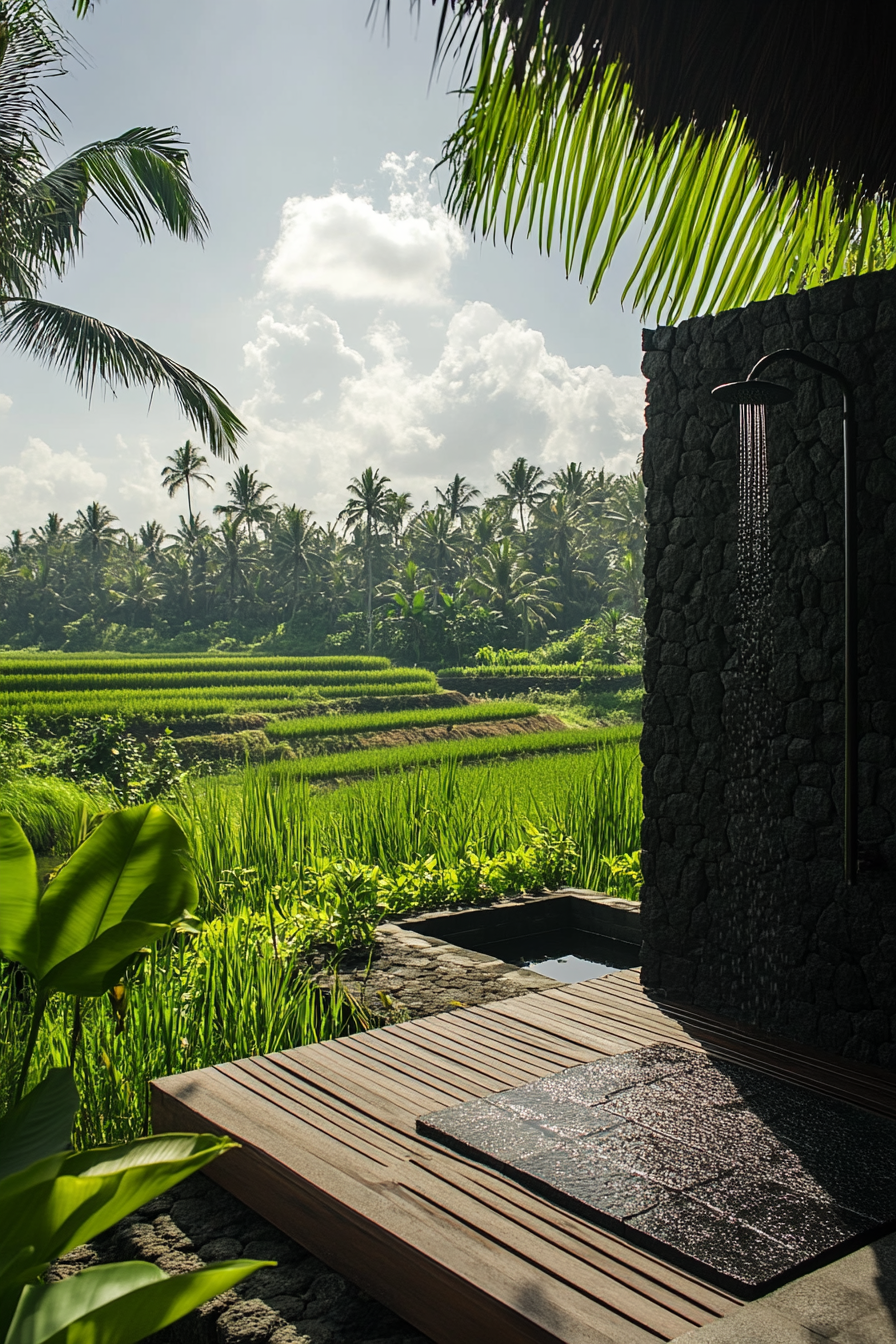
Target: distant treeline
x=428 y=584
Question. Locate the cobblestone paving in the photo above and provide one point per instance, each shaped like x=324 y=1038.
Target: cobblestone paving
x=413 y=975
x=196 y=1223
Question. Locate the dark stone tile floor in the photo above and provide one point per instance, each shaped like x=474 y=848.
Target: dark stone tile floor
x=737 y=1175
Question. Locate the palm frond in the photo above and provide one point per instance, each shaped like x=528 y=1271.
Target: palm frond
x=87 y=349
x=562 y=153
x=143 y=175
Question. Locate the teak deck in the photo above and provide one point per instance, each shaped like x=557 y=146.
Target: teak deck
x=330 y=1155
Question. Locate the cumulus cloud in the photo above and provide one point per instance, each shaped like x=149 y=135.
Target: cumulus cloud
x=42 y=481
x=5 y=403
x=342 y=245
x=493 y=391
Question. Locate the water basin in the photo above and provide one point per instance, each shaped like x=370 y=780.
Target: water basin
x=568 y=936
x=568 y=955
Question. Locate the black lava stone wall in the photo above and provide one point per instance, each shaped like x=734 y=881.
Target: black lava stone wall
x=789 y=949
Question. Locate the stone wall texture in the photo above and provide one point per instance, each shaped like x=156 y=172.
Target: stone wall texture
x=750 y=917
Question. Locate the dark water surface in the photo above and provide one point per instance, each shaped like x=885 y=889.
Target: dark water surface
x=567 y=955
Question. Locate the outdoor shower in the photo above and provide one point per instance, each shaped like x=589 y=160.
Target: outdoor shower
x=752 y=396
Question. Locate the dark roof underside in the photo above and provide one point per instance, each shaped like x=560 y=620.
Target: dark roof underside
x=816 y=81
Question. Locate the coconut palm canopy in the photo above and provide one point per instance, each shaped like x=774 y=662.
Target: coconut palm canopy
x=757 y=141
x=142 y=176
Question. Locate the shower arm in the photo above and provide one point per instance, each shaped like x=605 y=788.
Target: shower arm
x=850 y=606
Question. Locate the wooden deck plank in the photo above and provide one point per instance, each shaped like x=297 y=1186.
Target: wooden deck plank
x=330 y=1154
x=434 y=1269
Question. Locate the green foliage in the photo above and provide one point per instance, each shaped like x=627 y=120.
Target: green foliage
x=554 y=146
x=141 y=176
x=623 y=874
x=125 y=886
x=429 y=586
x=467 y=749
x=340 y=902
x=52 y=1200
x=325 y=724
x=102 y=752
x=269 y=827
x=52 y=812
x=15 y=744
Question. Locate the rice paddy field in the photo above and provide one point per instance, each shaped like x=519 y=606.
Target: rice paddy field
x=66 y=686
x=389 y=795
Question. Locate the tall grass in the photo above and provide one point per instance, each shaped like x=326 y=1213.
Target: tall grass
x=341 y=764
x=268 y=823
x=50 y=811
x=324 y=724
x=189 y=1003
x=544 y=671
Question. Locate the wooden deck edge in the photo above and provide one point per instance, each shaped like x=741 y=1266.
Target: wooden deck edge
x=371 y=1256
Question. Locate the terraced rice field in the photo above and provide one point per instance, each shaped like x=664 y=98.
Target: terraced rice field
x=66 y=686
x=387 y=759
x=325 y=718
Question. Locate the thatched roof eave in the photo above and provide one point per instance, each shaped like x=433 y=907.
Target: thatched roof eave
x=814 y=79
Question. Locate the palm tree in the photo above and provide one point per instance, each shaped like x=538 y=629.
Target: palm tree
x=574 y=482
x=51 y=533
x=627 y=584
x=17 y=543
x=232 y=573
x=559 y=523
x=142 y=175
x=557 y=138
x=458 y=498
x=367 y=508
x=499 y=575
x=398 y=506
x=627 y=511
x=522 y=486
x=138 y=592
x=249 y=502
x=294 y=549
x=434 y=538
x=96 y=534
x=185 y=465
x=152 y=537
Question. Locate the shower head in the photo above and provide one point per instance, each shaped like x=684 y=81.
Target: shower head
x=752 y=393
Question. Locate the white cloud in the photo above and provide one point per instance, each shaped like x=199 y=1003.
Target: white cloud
x=343 y=246
x=492 y=392
x=5 y=403
x=142 y=484
x=43 y=481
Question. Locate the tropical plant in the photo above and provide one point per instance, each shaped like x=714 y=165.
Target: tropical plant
x=523 y=486
x=249 y=504
x=553 y=140
x=185 y=465
x=515 y=592
x=93 y=585
x=95 y=531
x=294 y=541
x=458 y=498
x=127 y=885
x=142 y=176
x=367 y=509
x=52 y=1200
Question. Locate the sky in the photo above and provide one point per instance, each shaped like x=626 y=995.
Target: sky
x=342 y=312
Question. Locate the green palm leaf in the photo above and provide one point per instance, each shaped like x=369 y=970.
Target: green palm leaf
x=562 y=153
x=86 y=349
x=142 y=174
